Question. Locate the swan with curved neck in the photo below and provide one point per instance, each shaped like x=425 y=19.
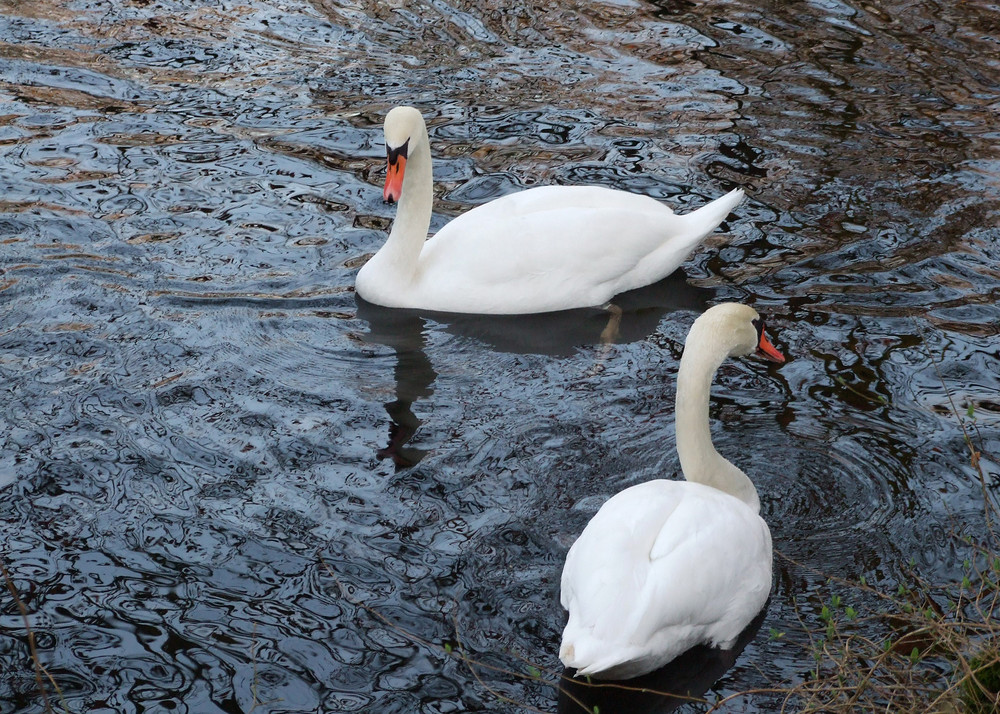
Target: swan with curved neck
x=667 y=565
x=539 y=250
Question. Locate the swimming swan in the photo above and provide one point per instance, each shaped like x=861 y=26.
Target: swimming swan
x=667 y=565
x=540 y=250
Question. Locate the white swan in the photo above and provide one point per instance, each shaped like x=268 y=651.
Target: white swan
x=540 y=250
x=667 y=565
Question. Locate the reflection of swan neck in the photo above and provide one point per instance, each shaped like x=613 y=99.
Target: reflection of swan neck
x=413 y=215
x=700 y=462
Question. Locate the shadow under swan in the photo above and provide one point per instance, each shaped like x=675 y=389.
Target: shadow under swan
x=557 y=334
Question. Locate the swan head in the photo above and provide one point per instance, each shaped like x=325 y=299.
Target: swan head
x=402 y=129
x=734 y=330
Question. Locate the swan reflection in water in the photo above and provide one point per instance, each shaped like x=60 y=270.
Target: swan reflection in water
x=557 y=334
x=685 y=678
x=404 y=332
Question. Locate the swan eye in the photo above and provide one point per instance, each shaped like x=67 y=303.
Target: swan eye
x=759 y=325
x=394 y=155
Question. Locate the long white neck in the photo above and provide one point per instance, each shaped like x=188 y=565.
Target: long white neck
x=700 y=462
x=401 y=251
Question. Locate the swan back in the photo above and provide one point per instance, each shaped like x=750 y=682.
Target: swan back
x=662 y=567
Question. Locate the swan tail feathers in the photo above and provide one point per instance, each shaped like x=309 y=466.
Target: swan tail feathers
x=609 y=665
x=586 y=660
x=708 y=217
x=588 y=655
x=686 y=233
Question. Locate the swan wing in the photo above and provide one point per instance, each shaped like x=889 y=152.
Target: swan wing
x=554 y=248
x=662 y=567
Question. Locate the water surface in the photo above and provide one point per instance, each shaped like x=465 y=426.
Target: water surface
x=228 y=485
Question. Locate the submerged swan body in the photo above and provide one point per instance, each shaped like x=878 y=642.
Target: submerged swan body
x=667 y=565
x=539 y=250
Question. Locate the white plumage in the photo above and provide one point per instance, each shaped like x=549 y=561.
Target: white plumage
x=540 y=250
x=667 y=565
x=646 y=581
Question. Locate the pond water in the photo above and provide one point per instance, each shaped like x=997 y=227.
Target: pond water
x=227 y=485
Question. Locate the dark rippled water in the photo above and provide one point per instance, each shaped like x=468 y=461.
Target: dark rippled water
x=203 y=432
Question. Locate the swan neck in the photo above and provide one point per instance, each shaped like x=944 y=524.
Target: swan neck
x=700 y=462
x=413 y=214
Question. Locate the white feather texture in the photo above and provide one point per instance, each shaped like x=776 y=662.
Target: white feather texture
x=667 y=565
x=540 y=250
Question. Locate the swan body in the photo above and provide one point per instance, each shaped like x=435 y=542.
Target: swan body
x=641 y=588
x=539 y=250
x=667 y=565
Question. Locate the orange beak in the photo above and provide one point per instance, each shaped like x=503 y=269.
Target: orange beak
x=394 y=179
x=766 y=350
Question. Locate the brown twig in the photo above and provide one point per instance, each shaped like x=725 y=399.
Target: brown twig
x=39 y=668
x=469 y=662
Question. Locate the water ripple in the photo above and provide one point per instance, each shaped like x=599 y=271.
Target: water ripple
x=200 y=417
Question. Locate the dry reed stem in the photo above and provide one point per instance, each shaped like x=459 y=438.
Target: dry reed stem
x=39 y=668
x=254 y=684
